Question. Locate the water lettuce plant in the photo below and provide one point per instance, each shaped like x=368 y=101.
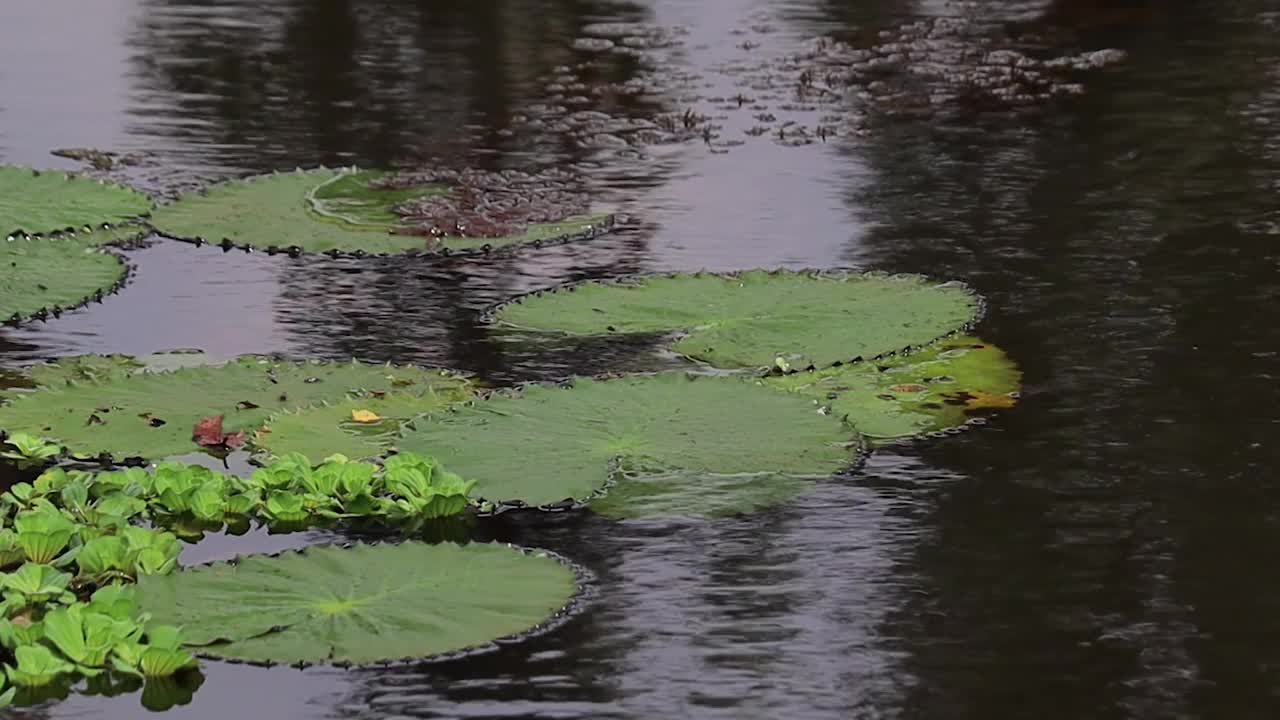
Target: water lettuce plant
x=48 y=201
x=944 y=385
x=326 y=210
x=361 y=604
x=44 y=276
x=549 y=444
x=28 y=450
x=72 y=543
x=152 y=414
x=783 y=319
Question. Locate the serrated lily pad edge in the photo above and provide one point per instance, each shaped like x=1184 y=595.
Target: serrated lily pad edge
x=585 y=593
x=605 y=225
x=43 y=314
x=142 y=218
x=489 y=316
x=107 y=460
x=860 y=448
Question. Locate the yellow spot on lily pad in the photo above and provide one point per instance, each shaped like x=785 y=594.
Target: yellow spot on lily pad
x=981 y=399
x=365 y=416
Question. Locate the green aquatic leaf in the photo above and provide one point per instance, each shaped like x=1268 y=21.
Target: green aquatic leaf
x=51 y=274
x=756 y=319
x=101 y=368
x=285 y=506
x=317 y=432
x=322 y=210
x=104 y=554
x=43 y=533
x=361 y=604
x=86 y=637
x=45 y=201
x=29 y=448
x=152 y=414
x=938 y=387
x=36 y=582
x=37 y=665
x=117 y=600
x=164 y=654
x=546 y=444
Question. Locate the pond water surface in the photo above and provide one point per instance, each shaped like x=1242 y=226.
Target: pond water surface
x=1106 y=549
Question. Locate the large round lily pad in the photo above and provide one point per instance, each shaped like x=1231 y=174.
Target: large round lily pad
x=361 y=604
x=152 y=414
x=546 y=444
x=328 y=210
x=44 y=201
x=938 y=387
x=758 y=318
x=361 y=427
x=49 y=274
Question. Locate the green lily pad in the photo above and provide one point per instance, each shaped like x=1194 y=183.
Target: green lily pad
x=327 y=210
x=320 y=431
x=938 y=387
x=45 y=201
x=151 y=414
x=755 y=319
x=362 y=604
x=58 y=273
x=546 y=444
x=102 y=368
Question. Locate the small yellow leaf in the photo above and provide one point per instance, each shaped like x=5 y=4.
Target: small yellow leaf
x=364 y=416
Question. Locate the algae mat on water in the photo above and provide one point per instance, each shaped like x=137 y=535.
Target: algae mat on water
x=151 y=414
x=47 y=201
x=941 y=386
x=362 y=604
x=53 y=274
x=545 y=444
x=329 y=210
x=792 y=320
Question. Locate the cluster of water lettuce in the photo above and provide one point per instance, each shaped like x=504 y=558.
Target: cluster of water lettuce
x=71 y=541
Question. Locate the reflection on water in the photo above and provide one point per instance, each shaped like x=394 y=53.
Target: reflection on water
x=1103 y=550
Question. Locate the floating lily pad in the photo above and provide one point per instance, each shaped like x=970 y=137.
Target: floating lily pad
x=546 y=444
x=44 y=201
x=54 y=274
x=938 y=387
x=361 y=604
x=101 y=368
x=152 y=414
x=755 y=319
x=329 y=210
x=320 y=431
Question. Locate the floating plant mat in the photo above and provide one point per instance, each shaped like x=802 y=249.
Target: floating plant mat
x=361 y=427
x=152 y=414
x=941 y=386
x=545 y=444
x=55 y=273
x=362 y=604
x=759 y=318
x=45 y=201
x=330 y=210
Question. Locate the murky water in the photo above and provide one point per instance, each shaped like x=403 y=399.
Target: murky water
x=1105 y=550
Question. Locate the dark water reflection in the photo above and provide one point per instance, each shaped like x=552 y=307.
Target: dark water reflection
x=1104 y=550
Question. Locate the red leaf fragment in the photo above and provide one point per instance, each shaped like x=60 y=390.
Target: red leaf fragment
x=208 y=433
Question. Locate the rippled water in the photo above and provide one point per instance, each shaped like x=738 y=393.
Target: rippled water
x=1105 y=550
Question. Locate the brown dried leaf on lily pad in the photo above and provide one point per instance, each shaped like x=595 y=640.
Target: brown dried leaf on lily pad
x=208 y=433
